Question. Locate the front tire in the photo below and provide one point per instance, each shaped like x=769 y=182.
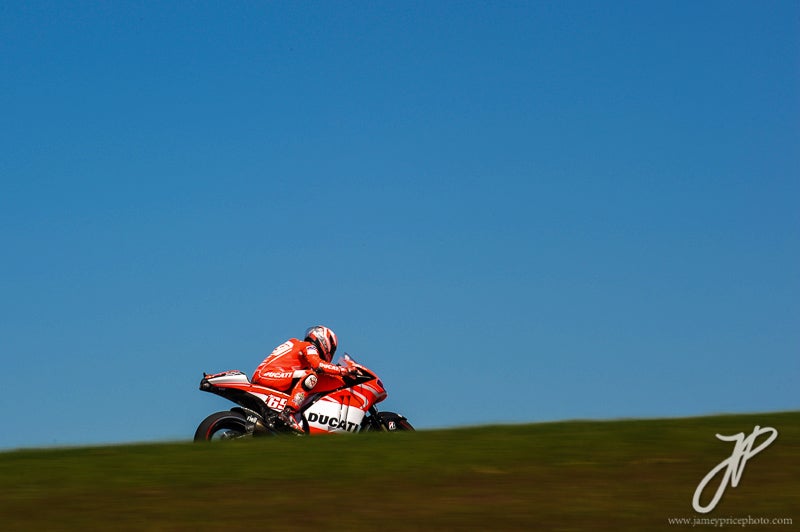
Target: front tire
x=222 y=426
x=389 y=422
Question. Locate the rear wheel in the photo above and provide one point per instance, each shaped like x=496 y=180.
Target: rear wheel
x=227 y=425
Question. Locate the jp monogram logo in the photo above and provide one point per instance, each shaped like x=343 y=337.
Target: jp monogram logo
x=733 y=465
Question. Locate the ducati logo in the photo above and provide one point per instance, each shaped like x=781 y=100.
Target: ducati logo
x=333 y=422
x=277 y=374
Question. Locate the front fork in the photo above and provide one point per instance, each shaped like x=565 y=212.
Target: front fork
x=373 y=420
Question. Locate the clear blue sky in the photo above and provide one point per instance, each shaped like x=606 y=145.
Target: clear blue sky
x=513 y=211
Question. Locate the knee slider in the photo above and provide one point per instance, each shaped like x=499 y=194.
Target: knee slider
x=309 y=382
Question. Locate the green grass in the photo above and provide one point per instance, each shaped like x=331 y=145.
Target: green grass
x=580 y=475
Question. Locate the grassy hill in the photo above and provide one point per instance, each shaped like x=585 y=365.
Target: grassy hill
x=578 y=475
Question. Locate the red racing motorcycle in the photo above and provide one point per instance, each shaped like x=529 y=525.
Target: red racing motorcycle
x=347 y=409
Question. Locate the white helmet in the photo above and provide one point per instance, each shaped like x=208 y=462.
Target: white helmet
x=324 y=339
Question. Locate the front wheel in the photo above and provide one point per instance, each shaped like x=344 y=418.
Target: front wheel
x=388 y=421
x=227 y=425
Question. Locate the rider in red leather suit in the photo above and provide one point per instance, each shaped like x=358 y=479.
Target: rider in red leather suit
x=297 y=368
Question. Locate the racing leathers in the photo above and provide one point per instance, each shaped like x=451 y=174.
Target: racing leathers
x=295 y=367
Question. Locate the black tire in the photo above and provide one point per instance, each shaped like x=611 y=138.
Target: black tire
x=391 y=422
x=226 y=425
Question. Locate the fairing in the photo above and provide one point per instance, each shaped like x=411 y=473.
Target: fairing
x=339 y=411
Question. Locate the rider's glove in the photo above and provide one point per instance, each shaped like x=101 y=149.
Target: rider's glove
x=349 y=371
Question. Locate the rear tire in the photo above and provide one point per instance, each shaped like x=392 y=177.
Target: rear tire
x=227 y=425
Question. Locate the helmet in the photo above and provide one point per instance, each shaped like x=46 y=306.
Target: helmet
x=324 y=339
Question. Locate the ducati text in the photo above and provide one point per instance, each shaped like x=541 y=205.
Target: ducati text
x=333 y=422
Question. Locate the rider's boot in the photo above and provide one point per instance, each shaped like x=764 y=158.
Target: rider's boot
x=287 y=417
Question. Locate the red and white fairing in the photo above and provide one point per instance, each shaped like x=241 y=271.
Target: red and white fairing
x=338 y=411
x=344 y=410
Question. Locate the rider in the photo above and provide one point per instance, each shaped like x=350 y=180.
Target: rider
x=287 y=369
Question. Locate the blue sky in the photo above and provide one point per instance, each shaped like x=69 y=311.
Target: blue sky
x=514 y=212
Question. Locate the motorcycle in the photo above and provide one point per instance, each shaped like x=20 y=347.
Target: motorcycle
x=349 y=408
